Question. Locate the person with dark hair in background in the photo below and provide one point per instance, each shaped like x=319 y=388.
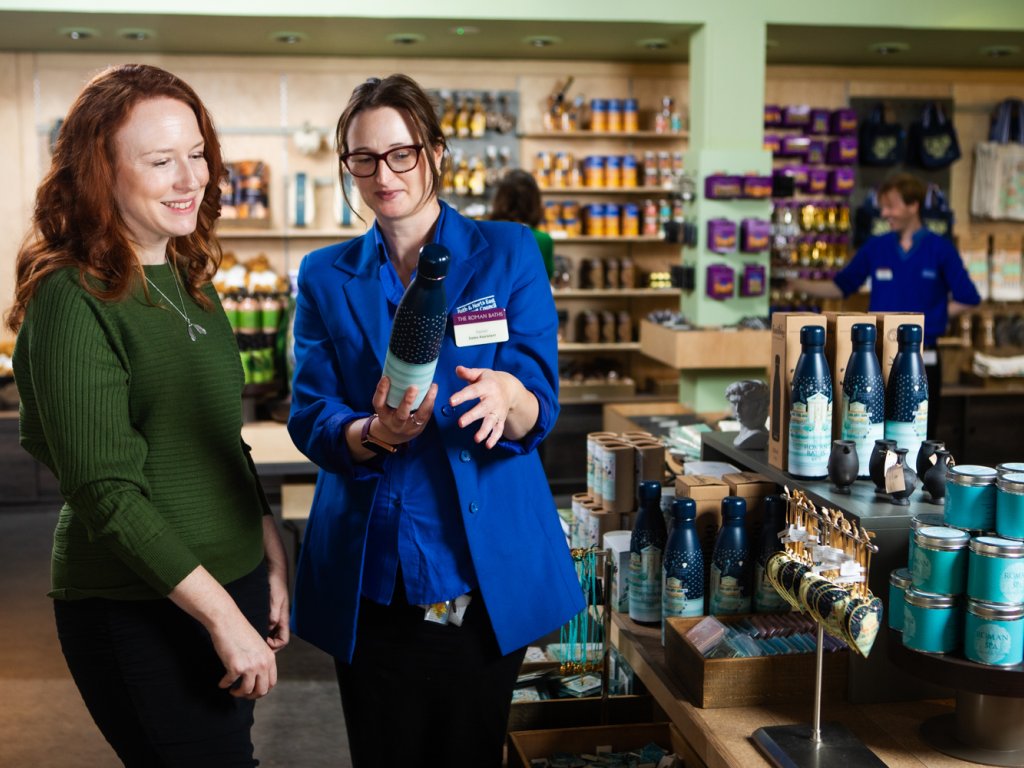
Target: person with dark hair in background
x=911 y=270
x=433 y=553
x=517 y=198
x=169 y=576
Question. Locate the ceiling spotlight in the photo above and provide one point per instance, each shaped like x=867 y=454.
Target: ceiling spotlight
x=999 y=51
x=887 y=49
x=78 y=33
x=462 y=31
x=135 y=34
x=406 y=38
x=542 y=41
x=288 y=38
x=654 y=43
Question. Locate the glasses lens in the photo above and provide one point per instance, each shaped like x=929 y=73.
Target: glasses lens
x=402 y=159
x=361 y=165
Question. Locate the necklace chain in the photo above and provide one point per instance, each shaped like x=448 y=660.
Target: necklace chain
x=194 y=329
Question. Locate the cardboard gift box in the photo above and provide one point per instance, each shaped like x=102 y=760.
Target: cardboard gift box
x=785 y=351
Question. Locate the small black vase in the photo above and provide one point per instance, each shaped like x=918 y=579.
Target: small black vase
x=902 y=497
x=924 y=456
x=843 y=465
x=934 y=481
x=876 y=467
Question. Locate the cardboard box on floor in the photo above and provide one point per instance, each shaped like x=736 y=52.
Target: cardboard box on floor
x=785 y=353
x=838 y=346
x=888 y=345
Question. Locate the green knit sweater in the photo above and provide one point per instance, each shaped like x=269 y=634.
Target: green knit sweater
x=142 y=428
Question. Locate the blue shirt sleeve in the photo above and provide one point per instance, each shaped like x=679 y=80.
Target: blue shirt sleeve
x=851 y=277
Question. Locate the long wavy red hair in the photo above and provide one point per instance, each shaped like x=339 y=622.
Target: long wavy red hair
x=76 y=221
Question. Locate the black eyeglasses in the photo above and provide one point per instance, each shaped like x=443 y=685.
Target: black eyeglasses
x=399 y=160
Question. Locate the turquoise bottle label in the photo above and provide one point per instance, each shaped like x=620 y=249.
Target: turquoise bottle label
x=810 y=436
x=766 y=598
x=675 y=600
x=857 y=426
x=910 y=434
x=726 y=594
x=645 y=573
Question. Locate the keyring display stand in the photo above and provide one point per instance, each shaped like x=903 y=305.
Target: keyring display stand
x=987 y=725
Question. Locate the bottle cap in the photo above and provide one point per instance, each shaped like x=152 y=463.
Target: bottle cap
x=733 y=508
x=908 y=333
x=812 y=335
x=433 y=262
x=684 y=509
x=863 y=333
x=650 y=490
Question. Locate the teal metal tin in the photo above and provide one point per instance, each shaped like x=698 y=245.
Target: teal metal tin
x=971 y=497
x=1010 y=467
x=899 y=583
x=922 y=520
x=994 y=634
x=995 y=570
x=940 y=560
x=1010 y=505
x=932 y=623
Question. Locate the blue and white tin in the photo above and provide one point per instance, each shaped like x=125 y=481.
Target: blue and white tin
x=940 y=560
x=899 y=583
x=995 y=570
x=971 y=497
x=931 y=623
x=1010 y=505
x=1010 y=467
x=994 y=634
x=923 y=520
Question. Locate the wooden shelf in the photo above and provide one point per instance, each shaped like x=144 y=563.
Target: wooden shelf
x=606 y=190
x=591 y=240
x=614 y=293
x=229 y=233
x=617 y=346
x=654 y=135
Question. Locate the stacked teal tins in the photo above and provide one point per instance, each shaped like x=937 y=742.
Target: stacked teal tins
x=994 y=625
x=971 y=497
x=1010 y=505
x=932 y=623
x=922 y=520
x=899 y=583
x=994 y=633
x=933 y=604
x=940 y=560
x=995 y=572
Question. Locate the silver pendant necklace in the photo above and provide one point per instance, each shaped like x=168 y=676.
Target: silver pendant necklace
x=194 y=329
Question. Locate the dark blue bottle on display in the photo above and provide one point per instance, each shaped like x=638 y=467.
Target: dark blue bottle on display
x=906 y=396
x=419 y=326
x=682 y=593
x=731 y=585
x=646 y=550
x=773 y=519
x=863 y=407
x=810 y=414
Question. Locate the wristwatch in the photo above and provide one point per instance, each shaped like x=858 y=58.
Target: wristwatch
x=375 y=444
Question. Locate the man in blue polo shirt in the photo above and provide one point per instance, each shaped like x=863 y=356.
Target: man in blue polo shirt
x=911 y=270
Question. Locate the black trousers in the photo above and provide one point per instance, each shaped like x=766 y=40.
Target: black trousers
x=418 y=694
x=148 y=674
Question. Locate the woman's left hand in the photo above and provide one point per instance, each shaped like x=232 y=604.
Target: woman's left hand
x=505 y=407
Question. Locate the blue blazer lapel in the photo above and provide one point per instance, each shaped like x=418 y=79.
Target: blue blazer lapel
x=365 y=296
x=463 y=239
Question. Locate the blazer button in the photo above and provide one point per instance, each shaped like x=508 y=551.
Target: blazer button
x=473 y=507
x=447 y=410
x=465 y=455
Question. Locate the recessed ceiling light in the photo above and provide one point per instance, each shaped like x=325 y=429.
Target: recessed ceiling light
x=406 y=38
x=462 y=31
x=887 y=49
x=999 y=51
x=542 y=41
x=78 y=33
x=654 y=43
x=288 y=38
x=136 y=34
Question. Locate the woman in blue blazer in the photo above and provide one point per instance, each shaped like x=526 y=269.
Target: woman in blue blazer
x=433 y=553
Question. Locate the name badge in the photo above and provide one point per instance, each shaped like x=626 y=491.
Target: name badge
x=487 y=326
x=883 y=274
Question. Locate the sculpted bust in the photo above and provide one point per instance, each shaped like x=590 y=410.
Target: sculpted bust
x=749 y=399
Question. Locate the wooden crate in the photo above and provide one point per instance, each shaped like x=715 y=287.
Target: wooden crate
x=524 y=746
x=574 y=713
x=710 y=349
x=712 y=683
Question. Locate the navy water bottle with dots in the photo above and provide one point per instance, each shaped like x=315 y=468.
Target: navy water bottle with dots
x=863 y=407
x=810 y=415
x=906 y=396
x=730 y=585
x=682 y=593
x=773 y=519
x=646 y=550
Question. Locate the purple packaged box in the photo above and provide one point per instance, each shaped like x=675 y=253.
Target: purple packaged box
x=755 y=235
x=757 y=187
x=840 y=181
x=794 y=146
x=796 y=115
x=815 y=152
x=719 y=186
x=772 y=114
x=773 y=143
x=819 y=121
x=817 y=181
x=721 y=235
x=842 y=151
x=752 y=281
x=797 y=172
x=844 y=122
x=721 y=282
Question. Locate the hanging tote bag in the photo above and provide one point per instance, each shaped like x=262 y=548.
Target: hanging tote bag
x=933 y=143
x=936 y=215
x=997 y=182
x=881 y=143
x=868 y=221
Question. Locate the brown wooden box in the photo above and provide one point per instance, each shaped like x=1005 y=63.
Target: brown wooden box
x=575 y=713
x=708 y=349
x=524 y=746
x=712 y=683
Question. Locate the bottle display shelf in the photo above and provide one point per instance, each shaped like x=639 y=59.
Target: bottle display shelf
x=600 y=240
x=614 y=293
x=228 y=233
x=649 y=190
x=646 y=135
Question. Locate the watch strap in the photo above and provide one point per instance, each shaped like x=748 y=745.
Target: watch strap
x=375 y=444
